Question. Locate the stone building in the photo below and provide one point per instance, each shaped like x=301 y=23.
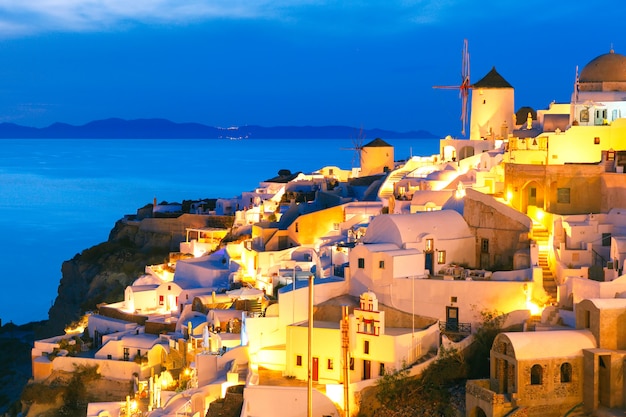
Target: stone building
x=549 y=373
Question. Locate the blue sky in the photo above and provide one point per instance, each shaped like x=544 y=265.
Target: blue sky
x=287 y=62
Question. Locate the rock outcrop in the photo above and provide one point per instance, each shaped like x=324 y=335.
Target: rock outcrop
x=101 y=273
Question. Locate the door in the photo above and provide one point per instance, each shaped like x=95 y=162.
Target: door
x=367 y=369
x=429 y=262
x=315 y=370
x=532 y=196
x=452 y=319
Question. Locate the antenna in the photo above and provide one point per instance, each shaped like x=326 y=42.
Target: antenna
x=576 y=86
x=464 y=87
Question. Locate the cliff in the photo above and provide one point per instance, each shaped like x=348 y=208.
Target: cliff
x=101 y=273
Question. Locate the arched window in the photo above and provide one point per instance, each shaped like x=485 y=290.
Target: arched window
x=566 y=372
x=536 y=375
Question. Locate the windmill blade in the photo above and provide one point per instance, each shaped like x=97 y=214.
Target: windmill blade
x=464 y=87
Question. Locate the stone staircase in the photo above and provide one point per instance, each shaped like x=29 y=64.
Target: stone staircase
x=541 y=236
x=387 y=188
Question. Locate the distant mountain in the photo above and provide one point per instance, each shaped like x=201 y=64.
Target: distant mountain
x=165 y=129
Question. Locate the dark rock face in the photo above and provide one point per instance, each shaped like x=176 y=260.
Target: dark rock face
x=101 y=273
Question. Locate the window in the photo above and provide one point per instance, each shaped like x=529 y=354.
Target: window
x=484 y=245
x=381 y=264
x=430 y=244
x=361 y=263
x=352 y=364
x=126 y=354
x=299 y=360
x=161 y=300
x=296 y=227
x=596 y=140
x=330 y=364
x=453 y=299
x=441 y=257
x=566 y=372
x=606 y=239
x=562 y=195
x=169 y=287
x=381 y=371
x=366 y=347
x=536 y=375
x=584 y=115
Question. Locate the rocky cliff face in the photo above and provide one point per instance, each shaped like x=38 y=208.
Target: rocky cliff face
x=101 y=273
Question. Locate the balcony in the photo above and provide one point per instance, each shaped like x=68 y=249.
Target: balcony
x=456 y=328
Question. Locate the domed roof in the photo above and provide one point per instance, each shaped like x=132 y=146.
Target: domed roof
x=606 y=67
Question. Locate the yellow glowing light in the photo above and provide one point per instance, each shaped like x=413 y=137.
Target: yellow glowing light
x=186 y=372
x=535 y=310
x=509 y=196
x=540 y=214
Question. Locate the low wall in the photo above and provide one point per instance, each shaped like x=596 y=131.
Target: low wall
x=109 y=369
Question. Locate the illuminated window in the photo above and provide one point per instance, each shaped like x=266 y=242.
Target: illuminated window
x=430 y=244
x=566 y=372
x=299 y=360
x=381 y=264
x=563 y=195
x=441 y=257
x=161 y=300
x=536 y=375
x=366 y=347
x=584 y=115
x=361 y=263
x=330 y=364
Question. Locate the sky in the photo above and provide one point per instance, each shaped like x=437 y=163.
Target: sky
x=370 y=64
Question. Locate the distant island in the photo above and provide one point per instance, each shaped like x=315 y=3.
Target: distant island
x=165 y=129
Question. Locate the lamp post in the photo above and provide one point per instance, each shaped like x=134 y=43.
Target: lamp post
x=310 y=335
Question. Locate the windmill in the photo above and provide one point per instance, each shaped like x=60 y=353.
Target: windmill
x=357 y=147
x=464 y=87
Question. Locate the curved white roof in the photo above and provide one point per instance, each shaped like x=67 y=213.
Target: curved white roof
x=403 y=228
x=549 y=344
x=608 y=303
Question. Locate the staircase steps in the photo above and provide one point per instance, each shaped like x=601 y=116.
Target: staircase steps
x=541 y=236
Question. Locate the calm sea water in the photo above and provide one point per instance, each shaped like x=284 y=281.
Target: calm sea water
x=58 y=197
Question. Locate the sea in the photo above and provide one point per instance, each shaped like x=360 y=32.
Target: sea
x=61 y=196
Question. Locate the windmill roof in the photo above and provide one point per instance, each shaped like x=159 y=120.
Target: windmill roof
x=492 y=80
x=377 y=143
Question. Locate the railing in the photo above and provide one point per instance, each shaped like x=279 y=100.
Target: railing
x=455 y=327
x=598 y=259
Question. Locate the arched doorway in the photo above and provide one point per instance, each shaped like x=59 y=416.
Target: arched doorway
x=466 y=152
x=532 y=195
x=448 y=153
x=478 y=412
